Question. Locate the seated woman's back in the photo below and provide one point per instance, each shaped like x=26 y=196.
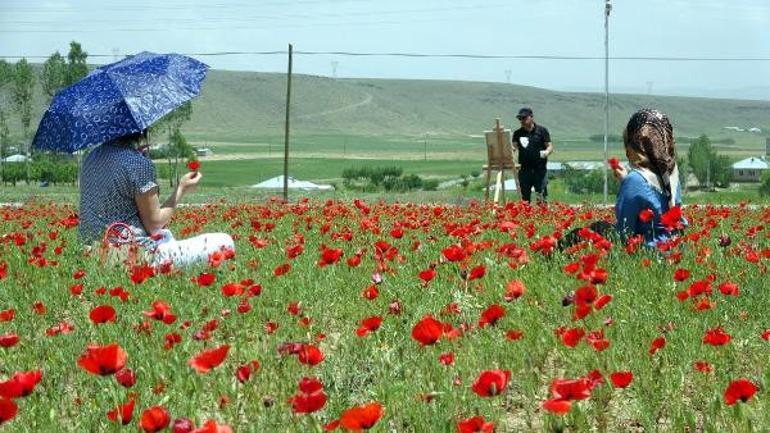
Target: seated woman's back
x=110 y=178
x=638 y=193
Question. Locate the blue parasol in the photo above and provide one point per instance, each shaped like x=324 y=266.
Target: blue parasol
x=118 y=100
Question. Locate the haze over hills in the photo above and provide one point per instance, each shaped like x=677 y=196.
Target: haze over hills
x=247 y=106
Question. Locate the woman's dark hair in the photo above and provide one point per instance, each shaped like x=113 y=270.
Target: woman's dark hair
x=649 y=135
x=130 y=139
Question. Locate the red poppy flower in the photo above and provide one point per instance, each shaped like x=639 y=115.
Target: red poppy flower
x=729 y=289
x=614 y=163
x=370 y=324
x=282 y=269
x=103 y=360
x=514 y=290
x=330 y=256
x=8 y=410
x=361 y=417
x=454 y=253
x=310 y=397
x=741 y=389
x=427 y=331
x=491 y=315
x=102 y=314
x=476 y=424
x=477 y=272
x=371 y=293
x=621 y=379
x=703 y=366
x=681 y=275
x=208 y=359
x=491 y=382
x=657 y=344
x=310 y=355
x=194 y=165
x=8 y=340
x=161 y=311
x=182 y=425
x=646 y=215
x=140 y=274
x=557 y=406
x=211 y=426
x=21 y=384
x=205 y=279
x=447 y=358
x=126 y=377
x=244 y=372
x=716 y=337
x=602 y=301
x=124 y=412
x=513 y=335
x=154 y=419
x=7 y=315
x=427 y=275
x=39 y=308
x=572 y=389
x=572 y=337
x=672 y=219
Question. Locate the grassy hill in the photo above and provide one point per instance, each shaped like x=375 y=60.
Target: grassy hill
x=249 y=106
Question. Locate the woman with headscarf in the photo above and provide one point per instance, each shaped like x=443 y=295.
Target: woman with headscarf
x=119 y=203
x=650 y=188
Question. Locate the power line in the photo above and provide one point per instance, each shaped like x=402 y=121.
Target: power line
x=441 y=55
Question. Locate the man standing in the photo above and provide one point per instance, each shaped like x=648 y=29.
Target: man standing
x=533 y=143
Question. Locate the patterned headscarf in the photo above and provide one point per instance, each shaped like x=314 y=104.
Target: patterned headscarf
x=649 y=133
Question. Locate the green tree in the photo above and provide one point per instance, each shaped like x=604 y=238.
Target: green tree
x=23 y=86
x=6 y=73
x=21 y=91
x=54 y=75
x=764 y=186
x=5 y=140
x=707 y=166
x=179 y=148
x=172 y=123
x=699 y=155
x=77 y=67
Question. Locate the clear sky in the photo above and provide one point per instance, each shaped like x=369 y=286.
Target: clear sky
x=656 y=28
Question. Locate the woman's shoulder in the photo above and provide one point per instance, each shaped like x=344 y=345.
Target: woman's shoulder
x=633 y=179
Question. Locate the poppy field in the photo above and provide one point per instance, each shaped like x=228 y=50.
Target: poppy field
x=389 y=317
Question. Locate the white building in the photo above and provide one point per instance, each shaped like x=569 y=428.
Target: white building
x=276 y=183
x=750 y=169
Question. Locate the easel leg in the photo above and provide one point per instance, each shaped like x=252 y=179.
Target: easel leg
x=502 y=184
x=486 y=191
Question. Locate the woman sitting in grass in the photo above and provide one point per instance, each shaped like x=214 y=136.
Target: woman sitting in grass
x=650 y=189
x=119 y=189
x=649 y=198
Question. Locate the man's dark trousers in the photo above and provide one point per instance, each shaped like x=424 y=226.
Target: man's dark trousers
x=533 y=177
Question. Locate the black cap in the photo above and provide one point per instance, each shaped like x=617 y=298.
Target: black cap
x=524 y=112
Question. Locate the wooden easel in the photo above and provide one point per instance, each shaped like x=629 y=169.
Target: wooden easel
x=499 y=158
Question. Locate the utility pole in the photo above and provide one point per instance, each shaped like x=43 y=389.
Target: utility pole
x=425 y=143
x=508 y=76
x=286 y=130
x=607 y=10
x=335 y=63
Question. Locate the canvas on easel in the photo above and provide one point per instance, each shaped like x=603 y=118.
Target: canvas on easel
x=499 y=158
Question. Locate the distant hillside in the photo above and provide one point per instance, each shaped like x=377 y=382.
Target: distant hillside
x=247 y=106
